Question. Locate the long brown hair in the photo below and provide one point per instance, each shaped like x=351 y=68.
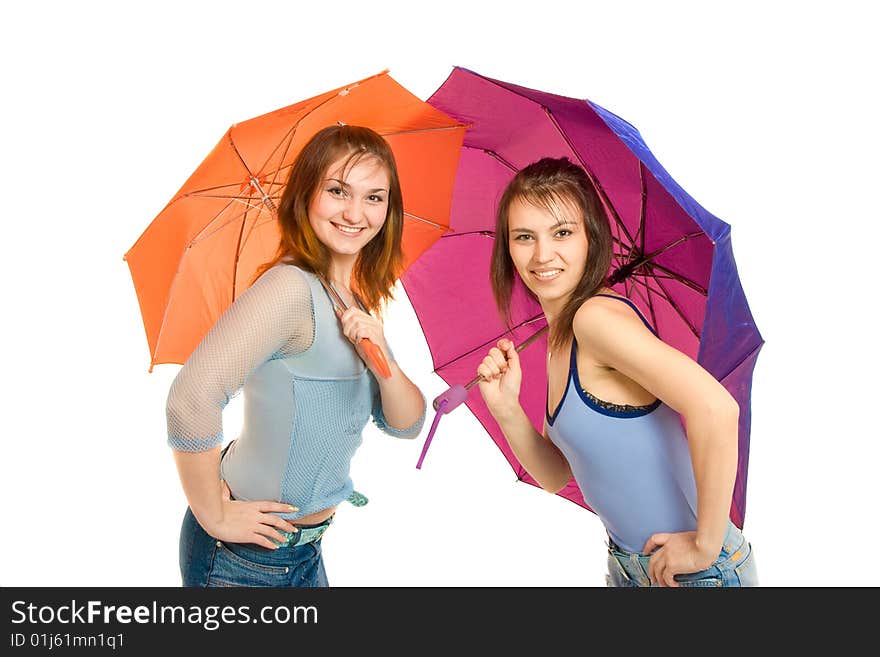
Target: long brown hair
x=380 y=262
x=553 y=183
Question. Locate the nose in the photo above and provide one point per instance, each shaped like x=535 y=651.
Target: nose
x=351 y=211
x=544 y=251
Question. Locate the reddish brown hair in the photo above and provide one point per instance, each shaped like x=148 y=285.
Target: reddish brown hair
x=380 y=262
x=553 y=184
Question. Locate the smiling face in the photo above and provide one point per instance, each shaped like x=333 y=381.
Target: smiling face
x=350 y=205
x=548 y=250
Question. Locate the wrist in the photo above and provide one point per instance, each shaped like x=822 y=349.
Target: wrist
x=210 y=518
x=508 y=414
x=707 y=549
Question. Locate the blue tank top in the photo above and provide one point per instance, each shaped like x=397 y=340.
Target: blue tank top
x=632 y=465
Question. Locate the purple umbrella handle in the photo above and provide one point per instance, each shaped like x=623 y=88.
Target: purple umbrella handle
x=453 y=397
x=434 y=424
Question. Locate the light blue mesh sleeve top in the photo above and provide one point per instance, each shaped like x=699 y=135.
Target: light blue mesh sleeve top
x=307 y=395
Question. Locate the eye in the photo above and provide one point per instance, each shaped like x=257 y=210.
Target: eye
x=522 y=237
x=563 y=232
x=375 y=198
x=336 y=191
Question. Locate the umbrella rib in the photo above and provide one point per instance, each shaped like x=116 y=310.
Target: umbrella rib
x=492 y=154
x=205 y=233
x=201 y=192
x=288 y=137
x=650 y=301
x=458 y=126
x=671 y=275
x=568 y=142
x=668 y=298
x=639 y=259
x=288 y=141
x=684 y=238
x=591 y=175
x=234 y=197
x=497 y=156
x=487 y=233
x=494 y=340
x=643 y=208
x=740 y=362
x=426 y=221
x=633 y=290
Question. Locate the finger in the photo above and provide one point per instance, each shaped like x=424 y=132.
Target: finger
x=484 y=372
x=282 y=524
x=498 y=357
x=660 y=574
x=491 y=366
x=275 y=507
x=655 y=566
x=261 y=540
x=349 y=313
x=272 y=534
x=655 y=541
x=511 y=354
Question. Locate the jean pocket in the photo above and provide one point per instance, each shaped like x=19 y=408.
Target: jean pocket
x=746 y=571
x=712 y=581
x=711 y=577
x=231 y=568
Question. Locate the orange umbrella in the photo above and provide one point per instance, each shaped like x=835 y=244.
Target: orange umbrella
x=202 y=250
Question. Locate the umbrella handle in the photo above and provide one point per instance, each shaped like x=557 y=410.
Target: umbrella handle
x=372 y=351
x=376 y=357
x=434 y=424
x=456 y=394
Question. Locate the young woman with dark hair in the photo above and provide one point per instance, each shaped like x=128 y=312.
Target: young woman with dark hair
x=616 y=398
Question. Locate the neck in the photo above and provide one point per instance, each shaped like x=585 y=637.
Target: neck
x=340 y=270
x=552 y=309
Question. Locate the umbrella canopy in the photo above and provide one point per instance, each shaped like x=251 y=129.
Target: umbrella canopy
x=202 y=250
x=671 y=256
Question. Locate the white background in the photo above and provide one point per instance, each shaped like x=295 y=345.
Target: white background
x=766 y=113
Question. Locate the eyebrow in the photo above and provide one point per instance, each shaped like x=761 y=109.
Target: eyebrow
x=345 y=184
x=558 y=224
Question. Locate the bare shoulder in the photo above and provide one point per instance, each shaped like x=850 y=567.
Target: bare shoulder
x=601 y=315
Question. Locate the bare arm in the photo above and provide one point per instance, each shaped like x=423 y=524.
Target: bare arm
x=500 y=381
x=617 y=338
x=400 y=407
x=273 y=315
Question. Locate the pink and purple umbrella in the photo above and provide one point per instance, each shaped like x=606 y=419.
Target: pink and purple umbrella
x=672 y=257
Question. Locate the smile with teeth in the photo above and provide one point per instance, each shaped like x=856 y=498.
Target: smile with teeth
x=547 y=274
x=349 y=230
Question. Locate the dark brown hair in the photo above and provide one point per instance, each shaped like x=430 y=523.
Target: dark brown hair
x=380 y=262
x=553 y=184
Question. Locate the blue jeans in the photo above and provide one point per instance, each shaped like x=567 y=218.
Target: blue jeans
x=735 y=566
x=205 y=561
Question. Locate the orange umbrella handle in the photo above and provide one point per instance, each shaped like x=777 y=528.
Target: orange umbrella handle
x=376 y=357
x=373 y=352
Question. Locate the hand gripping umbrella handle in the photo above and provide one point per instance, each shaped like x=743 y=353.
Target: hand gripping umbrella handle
x=371 y=350
x=376 y=357
x=455 y=395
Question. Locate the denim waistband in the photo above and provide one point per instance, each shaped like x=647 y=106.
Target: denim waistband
x=635 y=564
x=306 y=534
